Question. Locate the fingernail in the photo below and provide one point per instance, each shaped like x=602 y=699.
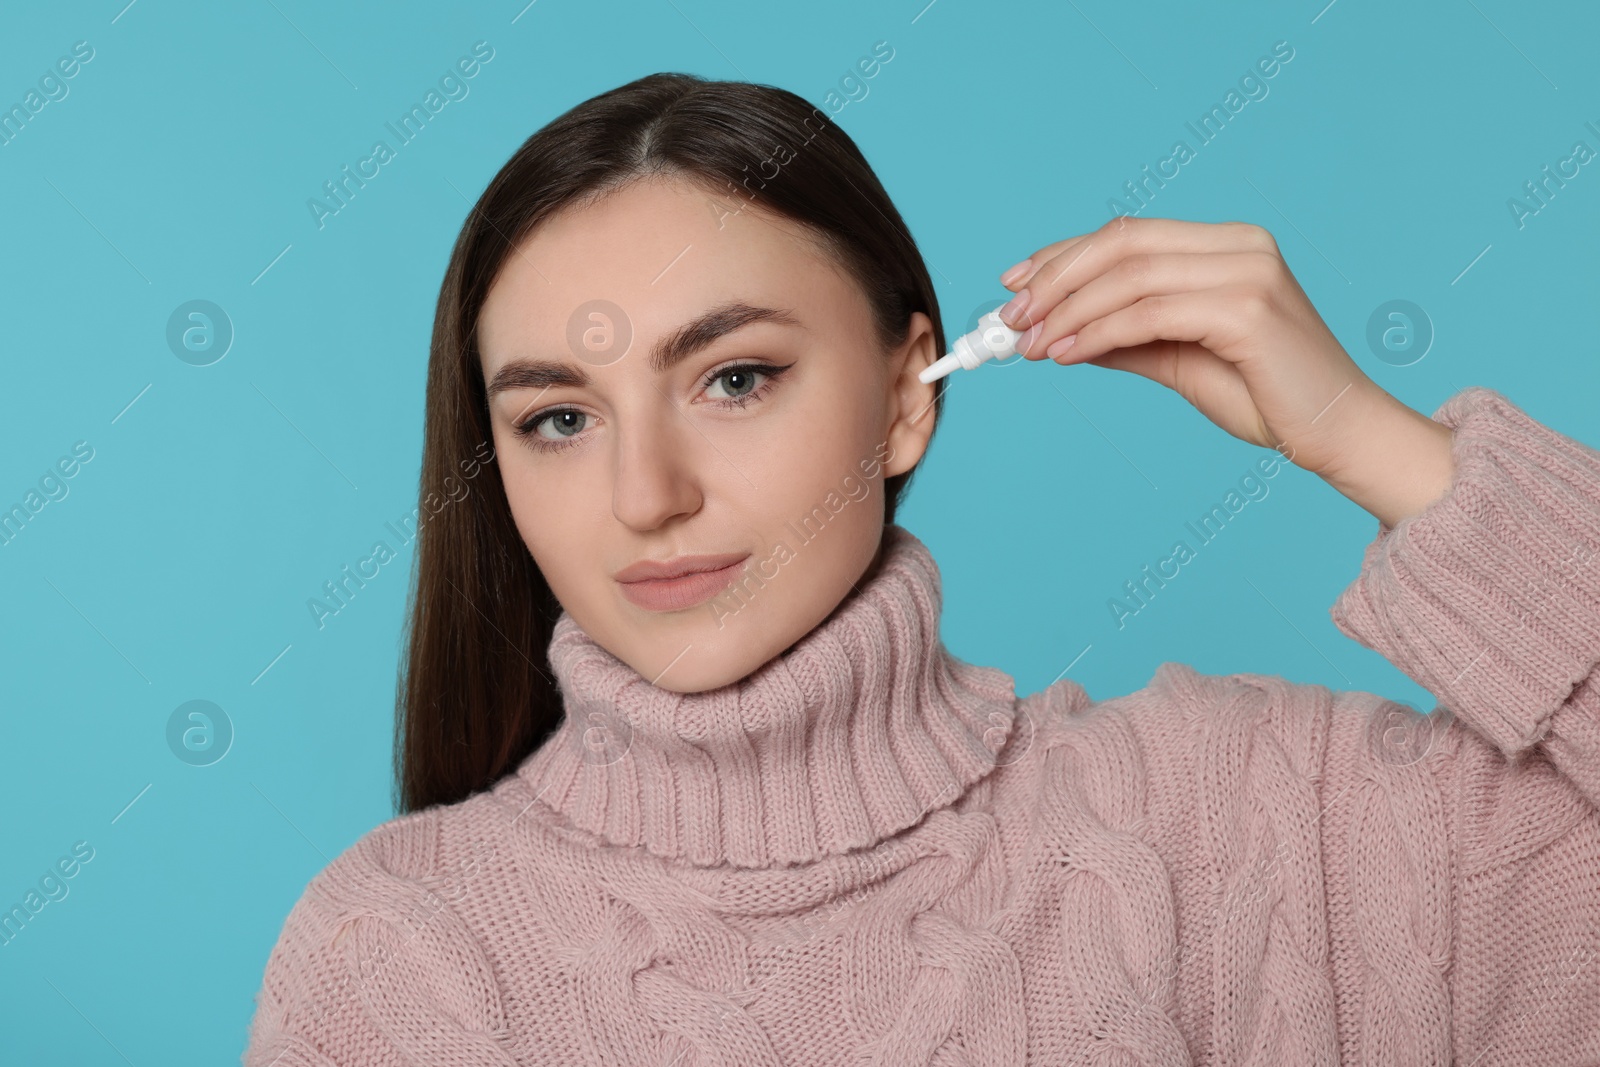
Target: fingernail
x=1025 y=342
x=1012 y=311
x=1057 y=348
x=1013 y=273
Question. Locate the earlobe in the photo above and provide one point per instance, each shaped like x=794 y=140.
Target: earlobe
x=912 y=411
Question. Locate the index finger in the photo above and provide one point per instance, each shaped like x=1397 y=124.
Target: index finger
x=1049 y=282
x=1036 y=258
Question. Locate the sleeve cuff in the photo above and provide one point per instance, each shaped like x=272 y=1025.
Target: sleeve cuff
x=1490 y=597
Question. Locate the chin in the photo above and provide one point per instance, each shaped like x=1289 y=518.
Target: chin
x=709 y=656
x=694 y=673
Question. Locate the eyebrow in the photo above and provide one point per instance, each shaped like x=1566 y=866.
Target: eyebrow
x=671 y=350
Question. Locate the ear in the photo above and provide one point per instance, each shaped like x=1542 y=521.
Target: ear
x=910 y=401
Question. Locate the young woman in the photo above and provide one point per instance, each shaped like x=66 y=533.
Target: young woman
x=688 y=776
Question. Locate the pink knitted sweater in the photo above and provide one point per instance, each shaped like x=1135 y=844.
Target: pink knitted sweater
x=871 y=851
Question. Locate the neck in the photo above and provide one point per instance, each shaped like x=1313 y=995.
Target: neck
x=858 y=731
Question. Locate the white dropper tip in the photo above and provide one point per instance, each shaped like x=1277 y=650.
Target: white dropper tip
x=991 y=339
x=939 y=368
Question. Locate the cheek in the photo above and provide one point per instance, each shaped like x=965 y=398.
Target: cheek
x=824 y=459
x=553 y=506
x=567 y=560
x=847 y=430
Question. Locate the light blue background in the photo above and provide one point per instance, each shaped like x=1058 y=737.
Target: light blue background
x=179 y=565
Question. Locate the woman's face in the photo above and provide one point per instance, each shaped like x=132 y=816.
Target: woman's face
x=672 y=375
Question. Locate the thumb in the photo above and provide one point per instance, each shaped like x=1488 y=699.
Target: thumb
x=1189 y=369
x=1207 y=381
x=1156 y=360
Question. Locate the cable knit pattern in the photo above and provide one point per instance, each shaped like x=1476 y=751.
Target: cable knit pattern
x=870 y=852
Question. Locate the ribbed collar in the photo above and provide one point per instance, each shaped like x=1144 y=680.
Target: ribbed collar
x=863 y=727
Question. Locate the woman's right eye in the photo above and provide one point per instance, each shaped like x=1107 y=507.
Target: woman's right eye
x=553 y=429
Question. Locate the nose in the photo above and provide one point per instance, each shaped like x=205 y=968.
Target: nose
x=656 y=475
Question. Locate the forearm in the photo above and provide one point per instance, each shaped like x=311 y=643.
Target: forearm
x=1491 y=597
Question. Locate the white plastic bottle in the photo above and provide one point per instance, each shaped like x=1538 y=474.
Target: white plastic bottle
x=992 y=339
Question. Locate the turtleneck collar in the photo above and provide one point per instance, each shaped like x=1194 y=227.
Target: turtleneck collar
x=862 y=728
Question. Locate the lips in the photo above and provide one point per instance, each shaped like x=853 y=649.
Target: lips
x=676 y=567
x=682 y=582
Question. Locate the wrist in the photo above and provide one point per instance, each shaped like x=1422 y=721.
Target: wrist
x=1401 y=465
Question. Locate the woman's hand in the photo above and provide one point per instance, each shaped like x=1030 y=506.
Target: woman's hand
x=1211 y=311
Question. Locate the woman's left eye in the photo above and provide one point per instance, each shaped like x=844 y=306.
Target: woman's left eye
x=740 y=382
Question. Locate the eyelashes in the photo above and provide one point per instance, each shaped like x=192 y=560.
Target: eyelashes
x=529 y=428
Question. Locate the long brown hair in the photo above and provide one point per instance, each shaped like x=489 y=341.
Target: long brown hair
x=476 y=694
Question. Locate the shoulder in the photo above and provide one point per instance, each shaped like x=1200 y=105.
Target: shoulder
x=378 y=877
x=420 y=869
x=1191 y=802
x=381 y=937
x=1164 y=720
x=376 y=865
x=1186 y=751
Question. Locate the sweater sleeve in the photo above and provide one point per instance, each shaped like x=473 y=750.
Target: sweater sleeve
x=1490 y=597
x=1462 y=847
